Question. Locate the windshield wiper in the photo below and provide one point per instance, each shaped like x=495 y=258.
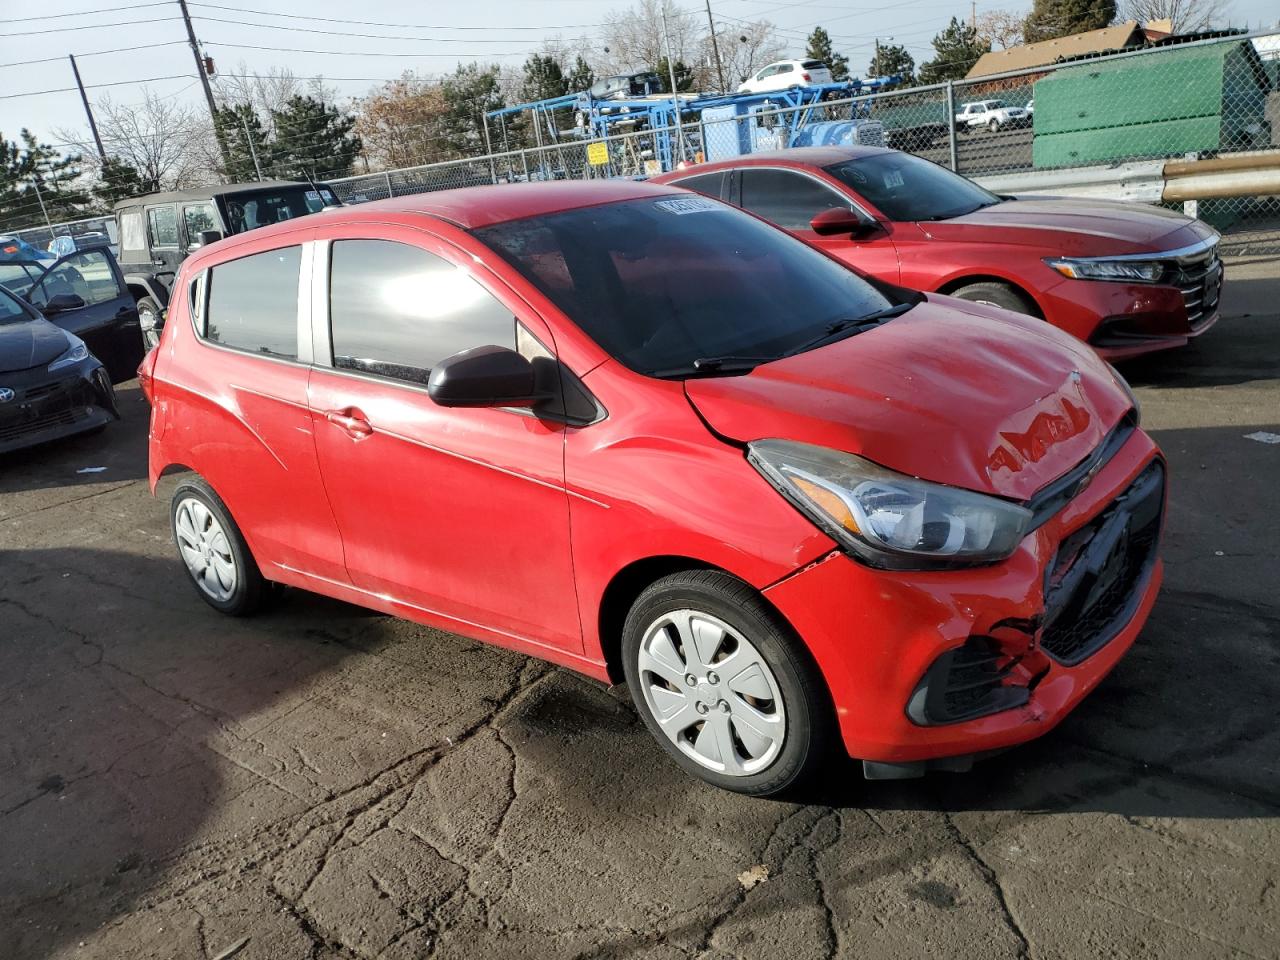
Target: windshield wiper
x=713 y=365
x=850 y=325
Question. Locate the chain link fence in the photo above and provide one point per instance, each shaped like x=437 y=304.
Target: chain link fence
x=1176 y=101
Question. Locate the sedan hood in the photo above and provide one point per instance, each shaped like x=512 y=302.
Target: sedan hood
x=30 y=343
x=952 y=392
x=1075 y=227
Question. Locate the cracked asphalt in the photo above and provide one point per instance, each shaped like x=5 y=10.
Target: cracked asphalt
x=325 y=782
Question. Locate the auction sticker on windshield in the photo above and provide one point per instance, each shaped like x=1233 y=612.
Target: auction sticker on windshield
x=687 y=205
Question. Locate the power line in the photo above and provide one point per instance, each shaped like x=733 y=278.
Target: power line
x=94 y=53
x=377 y=23
x=89 y=26
x=366 y=36
x=367 y=53
x=87 y=13
x=93 y=86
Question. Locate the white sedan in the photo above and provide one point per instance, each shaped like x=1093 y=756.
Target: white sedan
x=785 y=74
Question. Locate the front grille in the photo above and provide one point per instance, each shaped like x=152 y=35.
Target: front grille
x=43 y=390
x=16 y=430
x=1200 y=281
x=1093 y=583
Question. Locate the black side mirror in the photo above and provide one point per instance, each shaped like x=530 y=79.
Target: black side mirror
x=206 y=237
x=62 y=302
x=488 y=376
x=841 y=220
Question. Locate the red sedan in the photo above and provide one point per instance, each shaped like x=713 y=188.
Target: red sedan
x=1126 y=278
x=651 y=438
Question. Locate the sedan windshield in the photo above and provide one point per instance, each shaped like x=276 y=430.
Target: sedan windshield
x=682 y=285
x=906 y=188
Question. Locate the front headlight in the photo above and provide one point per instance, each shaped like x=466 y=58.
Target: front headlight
x=887 y=519
x=76 y=351
x=1140 y=271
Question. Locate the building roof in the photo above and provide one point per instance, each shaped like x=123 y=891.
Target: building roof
x=1118 y=37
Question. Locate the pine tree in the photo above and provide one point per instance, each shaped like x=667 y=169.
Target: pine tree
x=893 y=60
x=32 y=173
x=240 y=130
x=469 y=93
x=313 y=139
x=958 y=48
x=118 y=179
x=543 y=79
x=580 y=77
x=684 y=77
x=820 y=49
x=1050 y=19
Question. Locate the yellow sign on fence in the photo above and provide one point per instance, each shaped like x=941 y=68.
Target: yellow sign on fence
x=597 y=154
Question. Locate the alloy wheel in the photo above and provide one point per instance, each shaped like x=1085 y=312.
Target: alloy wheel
x=205 y=549
x=712 y=693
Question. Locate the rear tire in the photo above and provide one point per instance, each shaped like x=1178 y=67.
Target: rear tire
x=996 y=295
x=755 y=693
x=214 y=552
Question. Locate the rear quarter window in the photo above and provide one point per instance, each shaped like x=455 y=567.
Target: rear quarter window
x=253 y=303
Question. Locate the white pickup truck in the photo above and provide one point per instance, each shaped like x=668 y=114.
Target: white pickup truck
x=992 y=114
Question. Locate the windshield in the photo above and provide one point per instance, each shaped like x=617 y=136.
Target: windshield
x=248 y=211
x=660 y=283
x=905 y=187
x=11 y=310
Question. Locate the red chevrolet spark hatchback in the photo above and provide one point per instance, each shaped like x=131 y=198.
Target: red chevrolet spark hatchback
x=645 y=435
x=1126 y=277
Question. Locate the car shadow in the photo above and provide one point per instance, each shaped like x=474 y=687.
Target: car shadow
x=1236 y=350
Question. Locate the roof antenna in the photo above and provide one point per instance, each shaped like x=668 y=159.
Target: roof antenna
x=314 y=186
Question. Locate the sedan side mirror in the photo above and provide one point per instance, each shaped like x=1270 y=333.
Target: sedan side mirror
x=841 y=220
x=484 y=377
x=62 y=302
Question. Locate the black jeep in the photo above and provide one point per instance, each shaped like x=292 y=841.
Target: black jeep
x=158 y=231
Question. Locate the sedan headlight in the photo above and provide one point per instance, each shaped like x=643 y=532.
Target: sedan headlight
x=1140 y=271
x=76 y=351
x=887 y=519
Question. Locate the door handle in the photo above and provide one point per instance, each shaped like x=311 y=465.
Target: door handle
x=158 y=262
x=350 y=420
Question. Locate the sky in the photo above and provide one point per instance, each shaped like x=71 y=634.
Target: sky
x=501 y=31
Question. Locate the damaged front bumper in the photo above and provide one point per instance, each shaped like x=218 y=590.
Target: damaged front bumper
x=931 y=670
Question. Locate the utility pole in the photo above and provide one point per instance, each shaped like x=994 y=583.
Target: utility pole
x=253 y=152
x=675 y=96
x=204 y=81
x=973 y=14
x=35 y=182
x=876 y=71
x=715 y=47
x=84 y=98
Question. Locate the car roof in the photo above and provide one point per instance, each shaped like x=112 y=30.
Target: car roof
x=209 y=192
x=474 y=207
x=792 y=157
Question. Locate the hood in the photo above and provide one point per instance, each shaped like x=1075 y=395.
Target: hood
x=30 y=343
x=952 y=392
x=1076 y=228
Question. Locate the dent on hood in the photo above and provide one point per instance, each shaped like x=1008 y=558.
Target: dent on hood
x=1030 y=434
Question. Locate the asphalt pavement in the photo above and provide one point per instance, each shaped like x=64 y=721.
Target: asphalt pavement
x=325 y=782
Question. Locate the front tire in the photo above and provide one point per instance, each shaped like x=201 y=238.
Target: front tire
x=994 y=126
x=996 y=295
x=724 y=686
x=214 y=552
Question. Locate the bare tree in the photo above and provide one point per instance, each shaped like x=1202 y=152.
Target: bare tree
x=402 y=123
x=634 y=39
x=1188 y=16
x=169 y=143
x=267 y=93
x=1001 y=29
x=746 y=48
